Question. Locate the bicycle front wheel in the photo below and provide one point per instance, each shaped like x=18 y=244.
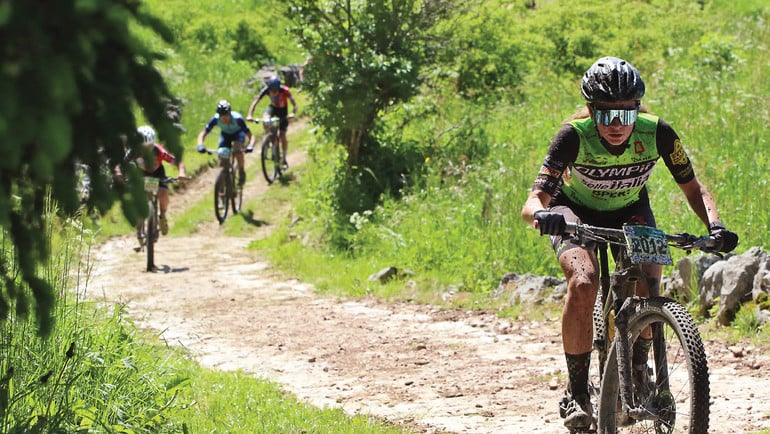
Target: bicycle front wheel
x=271 y=162
x=221 y=198
x=674 y=393
x=236 y=188
x=151 y=236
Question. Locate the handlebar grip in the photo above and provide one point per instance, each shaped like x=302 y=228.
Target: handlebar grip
x=571 y=228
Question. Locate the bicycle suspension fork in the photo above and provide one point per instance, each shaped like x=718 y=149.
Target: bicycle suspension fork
x=623 y=285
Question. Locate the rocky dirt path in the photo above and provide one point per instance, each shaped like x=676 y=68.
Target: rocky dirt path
x=429 y=369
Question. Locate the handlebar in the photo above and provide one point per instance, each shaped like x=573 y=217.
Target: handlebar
x=683 y=241
x=271 y=120
x=214 y=151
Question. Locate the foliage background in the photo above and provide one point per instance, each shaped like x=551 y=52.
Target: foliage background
x=455 y=161
x=490 y=104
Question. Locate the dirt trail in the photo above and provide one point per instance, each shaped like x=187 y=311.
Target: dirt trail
x=431 y=370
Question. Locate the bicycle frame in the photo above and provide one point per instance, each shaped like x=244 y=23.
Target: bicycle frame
x=227 y=193
x=620 y=298
x=148 y=230
x=620 y=317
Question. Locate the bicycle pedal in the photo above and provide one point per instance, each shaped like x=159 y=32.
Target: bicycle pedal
x=563 y=407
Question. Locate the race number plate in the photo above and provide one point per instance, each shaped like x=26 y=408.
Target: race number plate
x=647 y=245
x=151 y=184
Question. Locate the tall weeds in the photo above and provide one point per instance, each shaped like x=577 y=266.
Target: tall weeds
x=90 y=374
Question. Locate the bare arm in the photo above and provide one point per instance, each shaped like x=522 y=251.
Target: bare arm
x=182 y=173
x=701 y=201
x=536 y=201
x=202 y=135
x=253 y=105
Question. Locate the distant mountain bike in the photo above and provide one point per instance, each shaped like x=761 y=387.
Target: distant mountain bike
x=227 y=191
x=670 y=394
x=148 y=230
x=272 y=160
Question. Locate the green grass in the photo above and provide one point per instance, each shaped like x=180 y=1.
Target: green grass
x=239 y=403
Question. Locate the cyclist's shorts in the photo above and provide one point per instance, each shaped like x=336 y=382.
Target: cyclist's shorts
x=279 y=112
x=638 y=213
x=233 y=141
x=160 y=173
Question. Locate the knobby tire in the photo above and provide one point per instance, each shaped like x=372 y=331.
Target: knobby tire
x=687 y=374
x=271 y=158
x=151 y=235
x=221 y=196
x=601 y=344
x=236 y=188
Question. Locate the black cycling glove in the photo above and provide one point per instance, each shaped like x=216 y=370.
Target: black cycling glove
x=550 y=223
x=727 y=240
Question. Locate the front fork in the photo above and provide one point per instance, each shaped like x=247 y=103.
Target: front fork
x=624 y=283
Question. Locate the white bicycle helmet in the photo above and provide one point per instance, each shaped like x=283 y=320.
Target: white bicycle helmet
x=148 y=134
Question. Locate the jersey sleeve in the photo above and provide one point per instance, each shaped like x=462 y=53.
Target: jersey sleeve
x=163 y=155
x=261 y=94
x=673 y=154
x=291 y=98
x=211 y=124
x=242 y=123
x=561 y=153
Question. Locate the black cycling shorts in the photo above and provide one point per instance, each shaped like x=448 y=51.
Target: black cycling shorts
x=638 y=213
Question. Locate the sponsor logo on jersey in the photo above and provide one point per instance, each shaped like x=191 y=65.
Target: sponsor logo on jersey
x=678 y=157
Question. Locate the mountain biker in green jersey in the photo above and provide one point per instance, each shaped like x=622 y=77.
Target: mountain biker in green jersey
x=595 y=172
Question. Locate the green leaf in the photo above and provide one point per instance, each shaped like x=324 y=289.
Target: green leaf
x=56 y=137
x=5 y=12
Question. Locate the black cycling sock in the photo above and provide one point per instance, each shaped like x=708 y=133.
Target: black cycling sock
x=577 y=369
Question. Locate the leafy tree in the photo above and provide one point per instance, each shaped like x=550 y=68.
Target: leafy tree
x=365 y=56
x=72 y=76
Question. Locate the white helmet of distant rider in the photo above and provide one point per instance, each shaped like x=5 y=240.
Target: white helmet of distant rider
x=148 y=135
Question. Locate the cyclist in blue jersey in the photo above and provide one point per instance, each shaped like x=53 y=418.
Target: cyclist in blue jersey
x=233 y=134
x=595 y=172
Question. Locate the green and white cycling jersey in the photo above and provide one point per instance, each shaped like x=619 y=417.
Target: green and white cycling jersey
x=602 y=177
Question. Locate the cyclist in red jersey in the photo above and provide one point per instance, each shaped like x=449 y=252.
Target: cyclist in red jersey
x=156 y=169
x=280 y=96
